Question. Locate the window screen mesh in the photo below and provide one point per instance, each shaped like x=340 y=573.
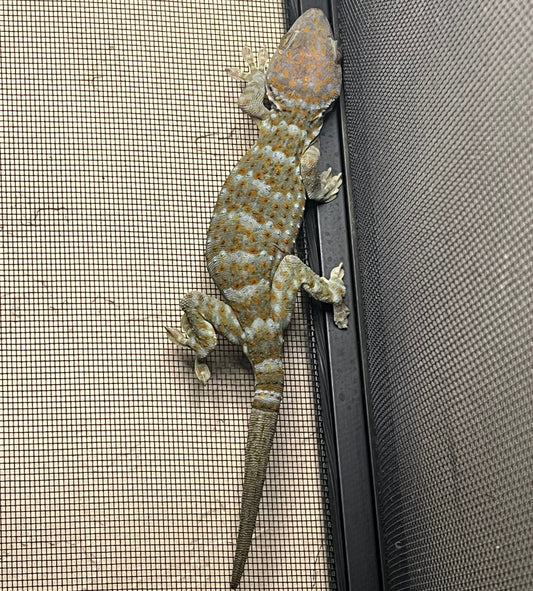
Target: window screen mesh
x=439 y=102
x=120 y=471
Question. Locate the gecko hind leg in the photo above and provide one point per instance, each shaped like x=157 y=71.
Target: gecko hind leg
x=292 y=274
x=203 y=317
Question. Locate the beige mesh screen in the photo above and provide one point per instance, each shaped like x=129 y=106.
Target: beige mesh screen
x=120 y=471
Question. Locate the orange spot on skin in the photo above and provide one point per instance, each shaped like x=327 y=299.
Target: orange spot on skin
x=236 y=243
x=278 y=168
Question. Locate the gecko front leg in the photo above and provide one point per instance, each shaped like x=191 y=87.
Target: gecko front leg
x=203 y=317
x=251 y=100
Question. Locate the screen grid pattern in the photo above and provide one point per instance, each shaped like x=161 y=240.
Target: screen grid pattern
x=438 y=103
x=119 y=470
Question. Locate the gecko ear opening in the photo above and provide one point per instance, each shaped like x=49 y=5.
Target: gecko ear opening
x=337 y=49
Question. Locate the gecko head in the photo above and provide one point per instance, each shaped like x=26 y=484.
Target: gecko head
x=305 y=73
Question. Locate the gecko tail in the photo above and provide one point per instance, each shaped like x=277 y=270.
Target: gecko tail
x=260 y=435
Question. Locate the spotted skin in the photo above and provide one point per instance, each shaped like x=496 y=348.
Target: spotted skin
x=252 y=233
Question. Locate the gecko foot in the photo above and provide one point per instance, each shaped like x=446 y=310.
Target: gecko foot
x=183 y=336
x=330 y=186
x=254 y=65
x=201 y=370
x=177 y=336
x=340 y=309
x=340 y=315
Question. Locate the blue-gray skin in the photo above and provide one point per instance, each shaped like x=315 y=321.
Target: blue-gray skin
x=253 y=230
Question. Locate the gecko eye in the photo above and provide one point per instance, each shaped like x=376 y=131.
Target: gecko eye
x=286 y=40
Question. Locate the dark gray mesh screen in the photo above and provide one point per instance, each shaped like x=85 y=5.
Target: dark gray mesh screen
x=438 y=99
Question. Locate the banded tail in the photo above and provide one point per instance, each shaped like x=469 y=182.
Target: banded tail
x=261 y=429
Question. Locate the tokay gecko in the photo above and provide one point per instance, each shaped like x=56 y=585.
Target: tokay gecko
x=253 y=230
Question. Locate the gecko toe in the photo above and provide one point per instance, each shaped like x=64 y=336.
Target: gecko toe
x=340 y=315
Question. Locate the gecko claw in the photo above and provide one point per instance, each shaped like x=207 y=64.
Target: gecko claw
x=337 y=274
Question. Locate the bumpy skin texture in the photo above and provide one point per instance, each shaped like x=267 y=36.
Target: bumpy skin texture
x=253 y=230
